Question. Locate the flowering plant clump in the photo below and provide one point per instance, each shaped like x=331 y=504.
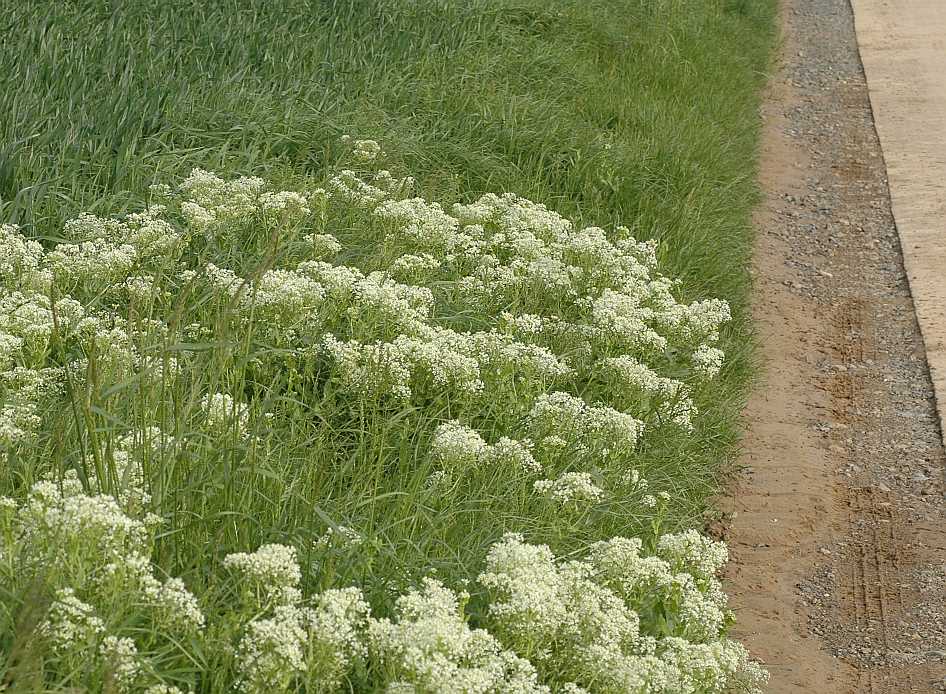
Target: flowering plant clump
x=431 y=648
x=91 y=552
x=238 y=366
x=616 y=620
x=570 y=487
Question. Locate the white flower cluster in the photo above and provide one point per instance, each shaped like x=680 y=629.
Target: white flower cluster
x=272 y=571
x=71 y=624
x=587 y=427
x=95 y=555
x=339 y=537
x=283 y=207
x=210 y=202
x=458 y=447
x=465 y=363
x=380 y=300
x=97 y=261
x=693 y=553
x=571 y=487
x=291 y=644
x=668 y=398
x=419 y=224
x=20 y=260
x=417 y=267
x=322 y=246
x=223 y=412
x=370 y=371
x=348 y=186
x=614 y=312
x=363 y=151
x=707 y=361
x=121 y=662
x=106 y=251
x=279 y=304
x=272 y=651
x=564 y=345
x=431 y=648
x=101 y=253
x=584 y=621
x=93 y=542
x=43 y=340
x=164 y=689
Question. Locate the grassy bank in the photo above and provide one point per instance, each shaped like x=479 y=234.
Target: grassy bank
x=641 y=114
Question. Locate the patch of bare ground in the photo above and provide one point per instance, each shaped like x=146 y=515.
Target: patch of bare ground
x=837 y=530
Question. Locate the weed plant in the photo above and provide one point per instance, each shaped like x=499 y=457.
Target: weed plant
x=274 y=389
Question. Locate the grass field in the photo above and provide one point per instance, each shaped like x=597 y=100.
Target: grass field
x=372 y=389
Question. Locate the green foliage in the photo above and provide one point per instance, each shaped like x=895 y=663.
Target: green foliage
x=640 y=112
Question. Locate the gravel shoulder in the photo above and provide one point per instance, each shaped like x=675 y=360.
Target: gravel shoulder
x=836 y=520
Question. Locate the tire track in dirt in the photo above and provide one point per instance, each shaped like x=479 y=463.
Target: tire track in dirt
x=837 y=524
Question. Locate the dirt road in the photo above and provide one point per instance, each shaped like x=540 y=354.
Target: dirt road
x=838 y=522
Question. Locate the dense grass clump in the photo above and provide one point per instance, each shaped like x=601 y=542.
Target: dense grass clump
x=339 y=413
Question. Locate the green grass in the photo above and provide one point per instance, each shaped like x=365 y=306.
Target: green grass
x=635 y=112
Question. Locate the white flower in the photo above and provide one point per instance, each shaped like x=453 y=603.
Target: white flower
x=694 y=553
x=410 y=266
x=121 y=661
x=272 y=651
x=279 y=304
x=633 y=480
x=507 y=451
x=372 y=370
x=517 y=215
x=458 y=446
x=322 y=246
x=707 y=361
x=97 y=262
x=20 y=259
x=525 y=324
x=347 y=186
x=152 y=237
x=342 y=536
x=339 y=280
x=321 y=642
x=625 y=319
x=211 y=202
x=336 y=631
x=273 y=569
x=366 y=150
x=222 y=411
x=18 y=423
x=527 y=588
x=669 y=398
x=284 y=207
x=432 y=647
x=379 y=299
x=584 y=424
x=162 y=689
x=570 y=487
x=199 y=218
x=177 y=605
x=67 y=526
x=420 y=224
x=141 y=289
x=71 y=624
